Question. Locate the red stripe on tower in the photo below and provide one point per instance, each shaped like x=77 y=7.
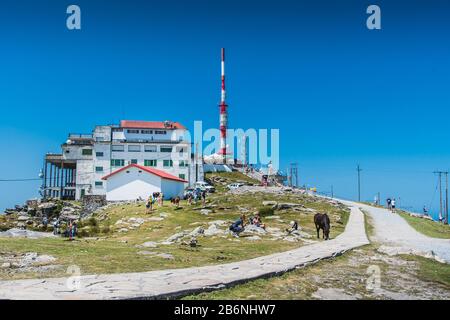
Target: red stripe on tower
x=223 y=113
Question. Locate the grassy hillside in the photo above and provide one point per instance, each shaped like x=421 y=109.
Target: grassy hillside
x=117 y=244
x=427 y=227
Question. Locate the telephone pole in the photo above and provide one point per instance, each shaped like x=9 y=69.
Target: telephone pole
x=332 y=193
x=359 y=182
x=443 y=210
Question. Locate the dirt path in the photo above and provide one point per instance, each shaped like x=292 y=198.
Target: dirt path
x=394 y=232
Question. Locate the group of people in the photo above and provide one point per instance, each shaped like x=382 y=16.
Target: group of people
x=195 y=195
x=239 y=225
x=390 y=204
x=155 y=197
x=71 y=229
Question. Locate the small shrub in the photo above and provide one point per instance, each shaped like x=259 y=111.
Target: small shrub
x=266 y=211
x=106 y=229
x=92 y=222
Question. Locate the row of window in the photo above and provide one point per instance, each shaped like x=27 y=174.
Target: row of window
x=136 y=131
x=147 y=163
x=147 y=148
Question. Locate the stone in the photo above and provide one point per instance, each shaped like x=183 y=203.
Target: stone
x=273 y=204
x=197 y=231
x=155 y=219
x=137 y=221
x=176 y=236
x=149 y=244
x=205 y=211
x=253 y=238
x=23 y=218
x=281 y=206
x=251 y=228
x=167 y=256
x=123 y=230
x=6 y=265
x=213 y=230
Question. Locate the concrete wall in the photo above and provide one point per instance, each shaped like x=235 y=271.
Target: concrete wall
x=131 y=184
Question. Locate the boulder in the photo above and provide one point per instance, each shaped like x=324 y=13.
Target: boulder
x=176 y=236
x=213 y=230
x=205 y=211
x=6 y=265
x=197 y=231
x=253 y=238
x=251 y=228
x=149 y=244
x=273 y=204
x=281 y=206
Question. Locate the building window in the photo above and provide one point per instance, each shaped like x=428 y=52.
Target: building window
x=100 y=139
x=182 y=176
x=98 y=169
x=86 y=152
x=160 y=132
x=147 y=131
x=133 y=161
x=117 y=162
x=99 y=183
x=99 y=154
x=132 y=131
x=183 y=163
x=166 y=149
x=167 y=163
x=150 y=163
x=118 y=148
x=150 y=148
x=134 y=148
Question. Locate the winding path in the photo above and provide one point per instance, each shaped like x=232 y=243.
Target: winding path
x=176 y=282
x=392 y=230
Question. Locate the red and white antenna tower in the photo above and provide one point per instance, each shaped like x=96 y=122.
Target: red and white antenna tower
x=223 y=114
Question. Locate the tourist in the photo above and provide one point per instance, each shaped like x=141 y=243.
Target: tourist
x=56 y=224
x=425 y=211
x=161 y=199
x=293 y=227
x=69 y=230
x=189 y=198
x=238 y=226
x=389 y=202
x=204 y=198
x=149 y=205
x=45 y=222
x=74 y=229
x=258 y=222
x=393 y=205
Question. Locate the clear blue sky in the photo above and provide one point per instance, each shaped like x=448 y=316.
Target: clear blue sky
x=339 y=93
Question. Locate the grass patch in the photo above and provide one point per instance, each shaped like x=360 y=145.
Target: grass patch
x=427 y=227
x=431 y=270
x=112 y=251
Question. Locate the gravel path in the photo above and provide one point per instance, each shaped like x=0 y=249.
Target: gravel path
x=392 y=230
x=176 y=282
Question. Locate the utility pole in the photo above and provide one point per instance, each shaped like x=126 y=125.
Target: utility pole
x=359 y=182
x=443 y=210
x=196 y=162
x=332 y=194
x=446 y=198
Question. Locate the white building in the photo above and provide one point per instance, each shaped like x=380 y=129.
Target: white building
x=87 y=158
x=134 y=181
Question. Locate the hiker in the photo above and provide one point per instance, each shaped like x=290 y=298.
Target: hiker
x=425 y=211
x=293 y=227
x=389 y=202
x=258 y=222
x=161 y=199
x=56 y=227
x=393 y=205
x=45 y=222
x=204 y=198
x=69 y=230
x=74 y=230
x=190 y=198
x=176 y=201
x=149 y=205
x=238 y=226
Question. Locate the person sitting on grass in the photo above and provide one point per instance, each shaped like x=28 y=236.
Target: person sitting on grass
x=238 y=226
x=258 y=222
x=293 y=227
x=176 y=201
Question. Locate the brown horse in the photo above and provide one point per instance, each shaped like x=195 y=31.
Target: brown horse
x=322 y=222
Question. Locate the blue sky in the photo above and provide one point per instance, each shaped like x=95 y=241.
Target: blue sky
x=339 y=93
